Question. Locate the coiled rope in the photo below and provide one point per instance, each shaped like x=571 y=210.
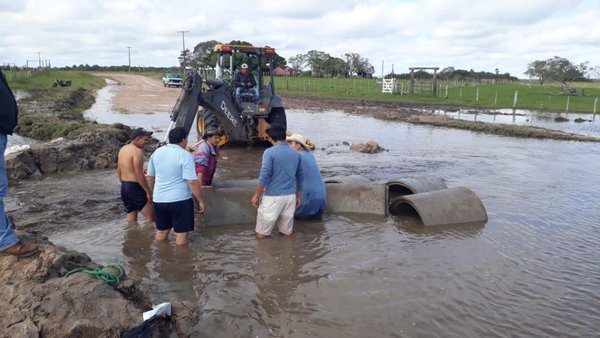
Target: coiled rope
x=112 y=274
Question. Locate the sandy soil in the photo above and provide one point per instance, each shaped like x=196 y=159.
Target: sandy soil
x=141 y=94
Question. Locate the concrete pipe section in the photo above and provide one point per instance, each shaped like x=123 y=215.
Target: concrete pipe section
x=442 y=207
x=427 y=197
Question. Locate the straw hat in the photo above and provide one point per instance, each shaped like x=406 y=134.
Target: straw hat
x=298 y=138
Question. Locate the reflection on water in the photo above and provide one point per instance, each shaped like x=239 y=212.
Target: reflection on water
x=532 y=270
x=583 y=124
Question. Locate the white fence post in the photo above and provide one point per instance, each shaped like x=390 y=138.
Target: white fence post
x=568 y=100
x=477 y=95
x=515 y=99
x=447 y=91
x=496 y=98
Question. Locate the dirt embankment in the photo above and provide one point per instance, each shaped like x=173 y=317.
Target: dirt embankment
x=39 y=299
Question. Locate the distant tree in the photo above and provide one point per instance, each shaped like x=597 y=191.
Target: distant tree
x=557 y=68
x=446 y=73
x=201 y=55
x=358 y=65
x=298 y=63
x=335 y=67
x=316 y=61
x=537 y=69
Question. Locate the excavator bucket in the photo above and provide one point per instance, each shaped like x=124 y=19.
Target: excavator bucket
x=186 y=108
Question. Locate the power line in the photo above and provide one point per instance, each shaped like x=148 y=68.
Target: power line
x=183 y=51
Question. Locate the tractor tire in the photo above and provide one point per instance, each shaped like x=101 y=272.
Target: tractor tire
x=277 y=116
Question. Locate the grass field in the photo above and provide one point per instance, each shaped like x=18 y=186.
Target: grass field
x=491 y=96
x=43 y=80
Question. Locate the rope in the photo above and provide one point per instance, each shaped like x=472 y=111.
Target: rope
x=112 y=274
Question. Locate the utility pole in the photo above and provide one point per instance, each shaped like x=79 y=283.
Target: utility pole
x=39 y=60
x=129 y=57
x=183 y=52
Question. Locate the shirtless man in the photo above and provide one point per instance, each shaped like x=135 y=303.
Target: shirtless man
x=135 y=192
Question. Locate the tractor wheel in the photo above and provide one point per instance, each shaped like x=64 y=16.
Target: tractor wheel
x=277 y=116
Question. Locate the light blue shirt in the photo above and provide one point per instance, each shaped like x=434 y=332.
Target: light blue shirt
x=313 y=193
x=281 y=171
x=172 y=166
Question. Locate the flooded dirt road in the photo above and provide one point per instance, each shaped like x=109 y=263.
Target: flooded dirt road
x=532 y=270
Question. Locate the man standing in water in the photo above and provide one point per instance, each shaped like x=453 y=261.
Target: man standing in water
x=9 y=242
x=314 y=191
x=281 y=179
x=207 y=154
x=173 y=181
x=135 y=192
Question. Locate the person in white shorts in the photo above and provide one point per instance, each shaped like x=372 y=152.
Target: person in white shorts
x=280 y=183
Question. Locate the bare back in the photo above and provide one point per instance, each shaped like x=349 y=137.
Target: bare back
x=130 y=163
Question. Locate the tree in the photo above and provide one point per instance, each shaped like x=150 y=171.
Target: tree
x=298 y=63
x=358 y=65
x=446 y=73
x=202 y=55
x=557 y=68
x=335 y=67
x=316 y=61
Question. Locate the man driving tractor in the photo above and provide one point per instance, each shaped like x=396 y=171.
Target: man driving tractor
x=245 y=83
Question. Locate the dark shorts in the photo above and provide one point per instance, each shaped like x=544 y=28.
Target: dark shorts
x=177 y=215
x=133 y=196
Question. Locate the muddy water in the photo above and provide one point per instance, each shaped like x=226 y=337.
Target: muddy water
x=532 y=270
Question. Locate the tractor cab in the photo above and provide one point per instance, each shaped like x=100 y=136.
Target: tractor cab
x=260 y=64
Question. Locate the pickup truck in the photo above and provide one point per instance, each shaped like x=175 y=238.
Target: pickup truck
x=172 y=80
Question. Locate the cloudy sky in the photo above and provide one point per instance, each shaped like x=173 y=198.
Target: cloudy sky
x=465 y=34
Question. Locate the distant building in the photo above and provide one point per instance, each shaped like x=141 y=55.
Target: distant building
x=283 y=71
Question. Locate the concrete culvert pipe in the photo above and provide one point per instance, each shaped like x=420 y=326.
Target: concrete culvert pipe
x=412 y=185
x=360 y=198
x=441 y=207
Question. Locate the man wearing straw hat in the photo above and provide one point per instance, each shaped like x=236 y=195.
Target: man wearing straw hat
x=313 y=193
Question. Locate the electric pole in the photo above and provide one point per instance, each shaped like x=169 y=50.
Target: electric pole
x=183 y=52
x=129 y=57
x=39 y=60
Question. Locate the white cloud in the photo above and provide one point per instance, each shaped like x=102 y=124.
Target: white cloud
x=482 y=35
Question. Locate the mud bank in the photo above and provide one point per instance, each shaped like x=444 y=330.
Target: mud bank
x=40 y=301
x=417 y=114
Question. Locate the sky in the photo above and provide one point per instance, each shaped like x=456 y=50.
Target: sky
x=465 y=34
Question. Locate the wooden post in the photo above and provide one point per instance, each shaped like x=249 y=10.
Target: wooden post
x=496 y=98
x=515 y=99
x=568 y=100
x=447 y=91
x=477 y=95
x=595 y=103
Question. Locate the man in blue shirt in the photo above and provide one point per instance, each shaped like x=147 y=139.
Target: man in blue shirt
x=173 y=180
x=280 y=184
x=313 y=193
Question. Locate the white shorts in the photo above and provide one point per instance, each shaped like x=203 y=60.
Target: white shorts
x=276 y=210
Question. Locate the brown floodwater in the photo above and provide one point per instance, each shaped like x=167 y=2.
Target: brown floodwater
x=532 y=270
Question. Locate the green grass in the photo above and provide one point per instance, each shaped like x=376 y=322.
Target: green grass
x=51 y=112
x=491 y=96
x=43 y=80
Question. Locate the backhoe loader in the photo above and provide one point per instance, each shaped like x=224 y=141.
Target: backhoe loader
x=213 y=103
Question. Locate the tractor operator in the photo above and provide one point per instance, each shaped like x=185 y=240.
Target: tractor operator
x=245 y=83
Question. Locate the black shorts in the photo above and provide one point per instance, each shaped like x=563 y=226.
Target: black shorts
x=177 y=215
x=133 y=196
